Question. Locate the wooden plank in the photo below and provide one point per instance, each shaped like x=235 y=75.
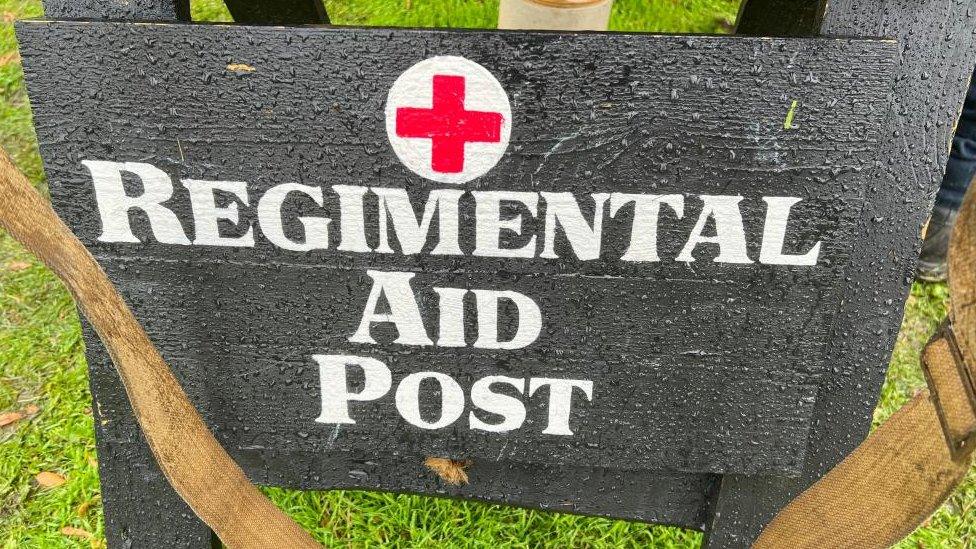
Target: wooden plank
x=725 y=398
x=678 y=499
x=780 y=17
x=135 y=10
x=938 y=51
x=704 y=114
x=279 y=12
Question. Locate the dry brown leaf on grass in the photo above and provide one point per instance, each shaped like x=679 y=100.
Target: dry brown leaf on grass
x=85 y=506
x=9 y=59
x=48 y=479
x=9 y=418
x=17 y=265
x=73 y=532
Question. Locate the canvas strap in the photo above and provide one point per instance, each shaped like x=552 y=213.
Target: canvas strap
x=881 y=492
x=909 y=465
x=195 y=464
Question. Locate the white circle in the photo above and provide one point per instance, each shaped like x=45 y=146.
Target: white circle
x=484 y=136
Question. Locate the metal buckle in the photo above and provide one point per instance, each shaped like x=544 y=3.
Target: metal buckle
x=960 y=447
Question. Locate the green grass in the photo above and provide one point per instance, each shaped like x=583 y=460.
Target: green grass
x=41 y=359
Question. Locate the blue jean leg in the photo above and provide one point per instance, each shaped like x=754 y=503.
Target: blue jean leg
x=961 y=166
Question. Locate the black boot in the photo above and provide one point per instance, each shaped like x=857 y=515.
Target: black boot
x=932 y=263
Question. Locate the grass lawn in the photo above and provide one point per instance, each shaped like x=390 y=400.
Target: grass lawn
x=42 y=371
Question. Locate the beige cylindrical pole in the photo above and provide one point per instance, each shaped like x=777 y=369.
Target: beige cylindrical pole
x=554 y=14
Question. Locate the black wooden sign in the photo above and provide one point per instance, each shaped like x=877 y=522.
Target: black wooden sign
x=600 y=252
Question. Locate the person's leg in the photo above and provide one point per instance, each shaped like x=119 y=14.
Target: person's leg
x=962 y=158
x=960 y=170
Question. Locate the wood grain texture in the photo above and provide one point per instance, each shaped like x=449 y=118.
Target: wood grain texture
x=136 y=10
x=938 y=52
x=731 y=381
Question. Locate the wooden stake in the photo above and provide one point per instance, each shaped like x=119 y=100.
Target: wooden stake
x=571 y=15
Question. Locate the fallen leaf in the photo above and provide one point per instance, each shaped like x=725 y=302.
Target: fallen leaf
x=451 y=471
x=82 y=509
x=76 y=532
x=17 y=265
x=9 y=59
x=85 y=506
x=31 y=409
x=240 y=67
x=92 y=462
x=47 y=479
x=8 y=418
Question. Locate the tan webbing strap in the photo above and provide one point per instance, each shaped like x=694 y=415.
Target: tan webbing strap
x=881 y=492
x=191 y=458
x=907 y=467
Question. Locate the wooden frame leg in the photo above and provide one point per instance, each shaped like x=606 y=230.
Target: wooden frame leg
x=147 y=10
x=288 y=12
x=141 y=509
x=780 y=17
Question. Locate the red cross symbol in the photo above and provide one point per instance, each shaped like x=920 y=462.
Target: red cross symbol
x=448 y=125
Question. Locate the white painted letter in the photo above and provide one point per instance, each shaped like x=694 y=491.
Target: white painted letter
x=206 y=213
x=489 y=225
x=395 y=204
x=774 y=234
x=335 y=389
x=450 y=309
x=560 y=401
x=730 y=234
x=562 y=209
x=114 y=204
x=408 y=400
x=510 y=408
x=269 y=217
x=404 y=312
x=529 y=319
x=643 y=231
x=352 y=224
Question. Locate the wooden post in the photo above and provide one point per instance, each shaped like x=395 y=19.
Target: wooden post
x=294 y=12
x=780 y=17
x=140 y=10
x=574 y=15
